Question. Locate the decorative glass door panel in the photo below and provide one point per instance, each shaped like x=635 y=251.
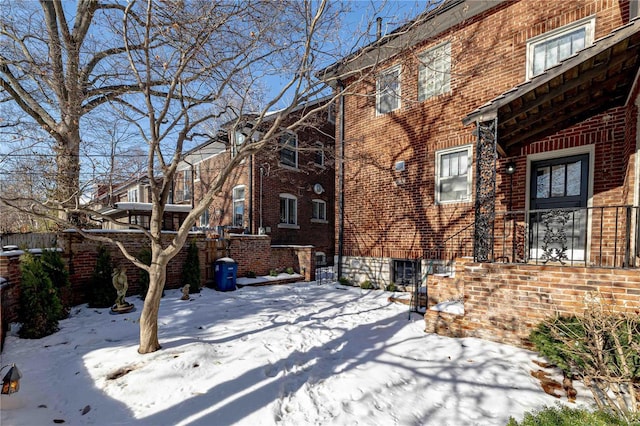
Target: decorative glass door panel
x=558 y=216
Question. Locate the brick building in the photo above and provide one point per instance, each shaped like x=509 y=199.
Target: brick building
x=501 y=131
x=286 y=193
x=128 y=204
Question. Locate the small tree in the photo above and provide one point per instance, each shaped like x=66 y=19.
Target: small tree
x=56 y=269
x=101 y=293
x=191 y=269
x=40 y=306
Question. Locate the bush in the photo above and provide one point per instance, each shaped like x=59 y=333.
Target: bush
x=40 y=307
x=600 y=347
x=273 y=273
x=567 y=416
x=56 y=269
x=391 y=287
x=290 y=270
x=101 y=293
x=366 y=285
x=344 y=281
x=191 y=269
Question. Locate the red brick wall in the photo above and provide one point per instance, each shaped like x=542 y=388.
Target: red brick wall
x=503 y=302
x=300 y=258
x=251 y=252
x=81 y=256
x=385 y=208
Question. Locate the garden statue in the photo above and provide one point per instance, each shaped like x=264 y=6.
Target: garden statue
x=119 y=280
x=185 y=292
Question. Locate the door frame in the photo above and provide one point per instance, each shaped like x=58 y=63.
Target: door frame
x=549 y=155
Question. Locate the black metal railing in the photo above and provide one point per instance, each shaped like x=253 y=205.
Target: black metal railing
x=605 y=237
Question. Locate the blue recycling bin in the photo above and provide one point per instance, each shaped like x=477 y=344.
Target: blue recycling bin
x=225 y=271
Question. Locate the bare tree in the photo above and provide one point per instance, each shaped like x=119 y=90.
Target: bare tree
x=168 y=69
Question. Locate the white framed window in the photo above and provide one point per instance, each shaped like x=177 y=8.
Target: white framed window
x=549 y=49
x=289 y=149
x=288 y=209
x=434 y=75
x=204 y=219
x=321 y=258
x=238 y=206
x=186 y=185
x=318 y=157
x=238 y=140
x=319 y=211
x=388 y=90
x=453 y=175
x=331 y=113
x=132 y=195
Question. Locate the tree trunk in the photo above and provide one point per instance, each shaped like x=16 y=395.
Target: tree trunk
x=149 y=317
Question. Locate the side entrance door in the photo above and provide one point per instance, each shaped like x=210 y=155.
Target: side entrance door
x=558 y=214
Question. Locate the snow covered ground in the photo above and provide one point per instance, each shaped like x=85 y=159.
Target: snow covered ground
x=296 y=354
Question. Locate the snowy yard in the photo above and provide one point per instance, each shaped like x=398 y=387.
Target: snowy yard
x=290 y=354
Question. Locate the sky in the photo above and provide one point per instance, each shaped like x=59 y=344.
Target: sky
x=297 y=354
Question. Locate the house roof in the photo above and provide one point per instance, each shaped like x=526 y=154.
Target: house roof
x=446 y=14
x=595 y=79
x=144 y=207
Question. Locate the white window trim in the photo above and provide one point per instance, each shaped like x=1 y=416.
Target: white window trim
x=439 y=154
x=317 y=220
x=319 y=146
x=137 y=195
x=238 y=139
x=295 y=152
x=196 y=172
x=233 y=204
x=394 y=69
x=589 y=23
x=424 y=68
x=289 y=225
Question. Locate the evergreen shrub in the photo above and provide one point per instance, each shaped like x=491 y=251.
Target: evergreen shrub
x=40 y=307
x=100 y=291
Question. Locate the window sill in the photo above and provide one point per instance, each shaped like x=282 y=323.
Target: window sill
x=319 y=221
x=444 y=203
x=288 y=167
x=288 y=226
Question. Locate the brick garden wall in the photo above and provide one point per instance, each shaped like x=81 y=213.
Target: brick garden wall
x=503 y=302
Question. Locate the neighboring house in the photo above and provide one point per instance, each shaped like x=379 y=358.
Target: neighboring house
x=286 y=193
x=129 y=203
x=505 y=131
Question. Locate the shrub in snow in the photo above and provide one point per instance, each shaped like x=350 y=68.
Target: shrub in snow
x=366 y=285
x=391 y=287
x=40 y=307
x=191 y=269
x=290 y=270
x=600 y=347
x=56 y=269
x=100 y=290
x=344 y=281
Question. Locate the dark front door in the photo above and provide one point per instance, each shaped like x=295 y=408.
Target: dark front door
x=558 y=217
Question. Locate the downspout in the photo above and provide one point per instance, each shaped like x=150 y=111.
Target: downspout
x=251 y=230
x=260 y=200
x=340 y=87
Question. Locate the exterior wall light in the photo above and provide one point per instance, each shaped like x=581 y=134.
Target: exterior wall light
x=510 y=168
